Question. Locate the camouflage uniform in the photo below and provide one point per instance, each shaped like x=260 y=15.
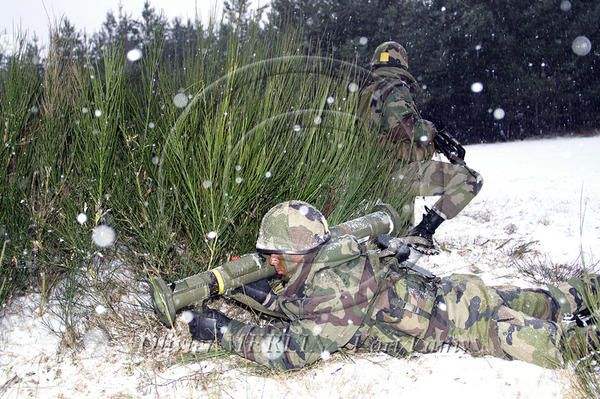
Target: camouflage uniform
x=346 y=295
x=388 y=107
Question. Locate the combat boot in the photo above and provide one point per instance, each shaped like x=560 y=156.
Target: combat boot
x=421 y=236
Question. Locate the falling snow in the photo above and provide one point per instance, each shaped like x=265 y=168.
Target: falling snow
x=581 y=46
x=134 y=54
x=330 y=100
x=352 y=87
x=180 y=100
x=81 y=218
x=187 y=316
x=206 y=183
x=97 y=113
x=477 y=87
x=499 y=114
x=565 y=5
x=103 y=236
x=211 y=235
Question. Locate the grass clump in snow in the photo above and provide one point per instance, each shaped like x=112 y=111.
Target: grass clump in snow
x=180 y=154
x=541 y=269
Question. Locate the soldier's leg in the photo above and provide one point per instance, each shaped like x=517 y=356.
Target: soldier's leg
x=571 y=294
x=456 y=185
x=536 y=303
x=472 y=316
x=401 y=313
x=528 y=338
x=462 y=316
x=554 y=302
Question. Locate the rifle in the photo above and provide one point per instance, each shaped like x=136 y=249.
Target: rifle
x=446 y=144
x=194 y=290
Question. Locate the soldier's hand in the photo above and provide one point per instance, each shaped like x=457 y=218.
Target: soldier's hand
x=396 y=245
x=421 y=245
x=208 y=325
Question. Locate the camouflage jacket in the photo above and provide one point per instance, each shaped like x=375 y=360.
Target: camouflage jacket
x=388 y=108
x=331 y=301
x=326 y=301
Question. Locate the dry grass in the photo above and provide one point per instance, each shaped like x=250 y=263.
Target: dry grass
x=540 y=269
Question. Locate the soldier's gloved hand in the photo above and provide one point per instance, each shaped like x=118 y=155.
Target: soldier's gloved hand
x=397 y=245
x=208 y=325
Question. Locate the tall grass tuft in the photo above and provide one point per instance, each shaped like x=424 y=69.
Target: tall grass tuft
x=276 y=124
x=181 y=153
x=19 y=113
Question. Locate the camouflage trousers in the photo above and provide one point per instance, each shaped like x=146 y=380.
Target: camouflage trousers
x=503 y=321
x=456 y=185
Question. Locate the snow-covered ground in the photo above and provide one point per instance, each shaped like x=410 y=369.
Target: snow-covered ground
x=541 y=195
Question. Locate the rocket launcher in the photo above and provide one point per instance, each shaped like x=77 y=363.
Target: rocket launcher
x=193 y=290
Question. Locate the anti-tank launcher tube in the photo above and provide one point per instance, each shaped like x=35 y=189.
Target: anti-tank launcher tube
x=385 y=220
x=169 y=298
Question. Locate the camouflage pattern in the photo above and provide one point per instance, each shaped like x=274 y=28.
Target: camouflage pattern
x=390 y=54
x=504 y=321
x=456 y=185
x=345 y=296
x=326 y=300
x=388 y=107
x=292 y=227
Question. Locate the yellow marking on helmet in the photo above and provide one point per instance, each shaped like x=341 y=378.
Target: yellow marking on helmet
x=384 y=56
x=219 y=280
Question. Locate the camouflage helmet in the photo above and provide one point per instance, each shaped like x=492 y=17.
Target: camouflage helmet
x=390 y=54
x=293 y=228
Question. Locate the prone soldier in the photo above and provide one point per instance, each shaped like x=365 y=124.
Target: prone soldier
x=341 y=293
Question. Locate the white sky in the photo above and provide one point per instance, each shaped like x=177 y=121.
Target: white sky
x=88 y=15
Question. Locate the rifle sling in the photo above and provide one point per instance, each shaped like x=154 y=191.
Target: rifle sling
x=254 y=304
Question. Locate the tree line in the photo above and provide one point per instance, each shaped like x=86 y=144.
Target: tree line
x=521 y=52
x=487 y=71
